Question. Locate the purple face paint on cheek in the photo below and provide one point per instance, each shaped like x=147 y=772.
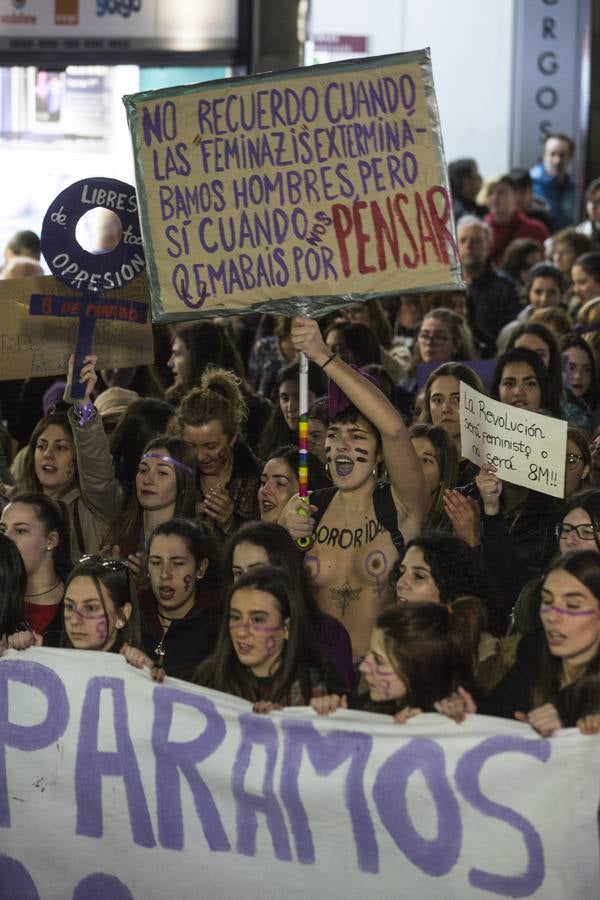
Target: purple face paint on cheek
x=101 y=629
x=187 y=582
x=270 y=645
x=384 y=681
x=362 y=455
x=544 y=610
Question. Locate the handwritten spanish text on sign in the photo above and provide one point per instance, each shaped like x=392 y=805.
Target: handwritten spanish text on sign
x=291 y=191
x=527 y=448
x=39 y=345
x=154 y=785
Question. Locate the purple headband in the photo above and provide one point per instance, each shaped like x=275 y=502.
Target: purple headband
x=170 y=461
x=337 y=401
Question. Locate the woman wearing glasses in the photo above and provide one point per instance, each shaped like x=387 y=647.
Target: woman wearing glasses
x=578 y=461
x=579 y=529
x=100 y=609
x=442 y=338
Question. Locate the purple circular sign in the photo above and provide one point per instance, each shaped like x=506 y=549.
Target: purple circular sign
x=68 y=260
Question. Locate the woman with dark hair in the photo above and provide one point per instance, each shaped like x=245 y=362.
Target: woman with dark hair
x=164 y=483
x=282 y=427
x=54 y=465
x=555 y=681
x=578 y=462
x=13 y=583
x=165 y=486
x=544 y=289
x=39 y=527
x=520 y=379
x=100 y=609
x=585 y=275
x=142 y=421
x=179 y=608
x=196 y=346
x=439 y=458
x=267 y=650
x=359 y=523
x=443 y=337
x=578 y=529
x=268 y=544
x=439 y=568
x=279 y=480
x=537 y=337
x=441 y=406
x=211 y=418
x=580 y=374
x=420 y=655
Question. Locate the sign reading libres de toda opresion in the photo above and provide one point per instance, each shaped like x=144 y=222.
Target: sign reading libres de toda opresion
x=294 y=192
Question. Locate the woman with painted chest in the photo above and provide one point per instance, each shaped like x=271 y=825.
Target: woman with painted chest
x=358 y=525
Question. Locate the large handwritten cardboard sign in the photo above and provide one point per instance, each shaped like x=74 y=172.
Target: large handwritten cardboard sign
x=113 y=786
x=37 y=345
x=527 y=448
x=295 y=191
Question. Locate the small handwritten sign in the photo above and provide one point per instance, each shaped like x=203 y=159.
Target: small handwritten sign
x=525 y=447
x=294 y=192
x=39 y=345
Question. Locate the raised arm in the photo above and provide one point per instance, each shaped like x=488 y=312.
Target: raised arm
x=404 y=469
x=100 y=490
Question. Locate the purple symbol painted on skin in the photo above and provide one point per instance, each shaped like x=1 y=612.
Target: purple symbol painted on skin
x=375 y=563
x=187 y=582
x=270 y=645
x=376 y=567
x=384 y=681
x=101 y=629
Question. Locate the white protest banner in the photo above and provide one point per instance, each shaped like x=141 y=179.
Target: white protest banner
x=527 y=448
x=293 y=191
x=113 y=786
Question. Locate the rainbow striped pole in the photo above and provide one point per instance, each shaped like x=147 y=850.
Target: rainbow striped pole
x=303 y=543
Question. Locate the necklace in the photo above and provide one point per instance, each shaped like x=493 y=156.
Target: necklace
x=41 y=593
x=166 y=618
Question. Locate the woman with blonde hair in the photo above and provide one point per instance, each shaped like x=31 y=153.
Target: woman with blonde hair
x=211 y=417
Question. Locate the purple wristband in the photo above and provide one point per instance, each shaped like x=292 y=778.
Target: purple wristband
x=84 y=414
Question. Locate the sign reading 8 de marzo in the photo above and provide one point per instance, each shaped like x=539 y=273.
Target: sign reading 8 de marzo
x=294 y=192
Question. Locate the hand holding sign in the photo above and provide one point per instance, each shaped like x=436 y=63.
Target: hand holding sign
x=87 y=378
x=490 y=489
x=523 y=447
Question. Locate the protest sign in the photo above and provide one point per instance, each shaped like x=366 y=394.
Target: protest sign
x=33 y=346
x=294 y=192
x=114 y=786
x=525 y=447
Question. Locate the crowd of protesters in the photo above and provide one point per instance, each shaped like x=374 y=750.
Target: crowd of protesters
x=159 y=516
